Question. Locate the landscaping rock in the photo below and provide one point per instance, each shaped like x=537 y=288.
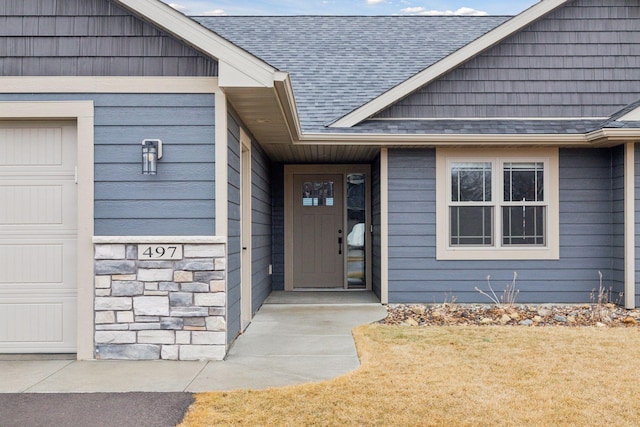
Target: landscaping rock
x=524 y=315
x=559 y=318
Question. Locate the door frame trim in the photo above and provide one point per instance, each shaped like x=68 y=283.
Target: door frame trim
x=83 y=114
x=246 y=305
x=344 y=169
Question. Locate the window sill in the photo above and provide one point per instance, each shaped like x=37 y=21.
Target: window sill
x=464 y=254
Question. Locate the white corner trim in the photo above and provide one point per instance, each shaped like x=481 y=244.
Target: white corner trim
x=450 y=62
x=89 y=84
x=201 y=38
x=221 y=166
x=631 y=116
x=629 y=226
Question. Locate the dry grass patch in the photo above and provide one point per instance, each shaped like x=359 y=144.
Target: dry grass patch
x=456 y=376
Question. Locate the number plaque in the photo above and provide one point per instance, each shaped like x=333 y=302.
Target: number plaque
x=162 y=252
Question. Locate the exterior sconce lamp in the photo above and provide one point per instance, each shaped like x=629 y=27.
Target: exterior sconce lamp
x=151 y=152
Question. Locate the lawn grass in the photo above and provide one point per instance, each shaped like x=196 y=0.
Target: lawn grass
x=457 y=376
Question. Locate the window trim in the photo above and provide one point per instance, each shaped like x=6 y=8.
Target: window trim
x=498 y=156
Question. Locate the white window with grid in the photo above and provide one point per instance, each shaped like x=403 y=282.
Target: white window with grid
x=500 y=204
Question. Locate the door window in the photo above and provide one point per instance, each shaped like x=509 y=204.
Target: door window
x=318 y=193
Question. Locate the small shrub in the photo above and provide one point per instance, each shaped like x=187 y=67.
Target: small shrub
x=602 y=300
x=509 y=295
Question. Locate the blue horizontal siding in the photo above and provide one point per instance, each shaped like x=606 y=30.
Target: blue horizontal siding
x=376 y=242
x=180 y=199
x=277 y=225
x=233 y=228
x=260 y=227
x=637 y=221
x=585 y=236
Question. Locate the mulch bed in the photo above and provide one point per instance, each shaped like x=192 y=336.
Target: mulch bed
x=604 y=315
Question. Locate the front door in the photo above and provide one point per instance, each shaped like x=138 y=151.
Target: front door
x=318 y=231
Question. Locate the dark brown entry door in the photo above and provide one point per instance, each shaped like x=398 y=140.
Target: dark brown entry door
x=318 y=232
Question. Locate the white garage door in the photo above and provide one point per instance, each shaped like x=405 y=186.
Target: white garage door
x=38 y=217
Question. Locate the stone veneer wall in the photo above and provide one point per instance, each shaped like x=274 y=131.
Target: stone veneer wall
x=160 y=309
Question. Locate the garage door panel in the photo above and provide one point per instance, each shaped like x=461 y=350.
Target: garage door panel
x=38 y=264
x=21 y=146
x=38 y=237
x=31 y=204
x=44 y=324
x=49 y=203
x=31 y=263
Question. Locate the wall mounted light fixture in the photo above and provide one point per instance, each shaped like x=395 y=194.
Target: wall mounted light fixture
x=151 y=152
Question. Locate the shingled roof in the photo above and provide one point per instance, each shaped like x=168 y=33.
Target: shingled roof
x=338 y=63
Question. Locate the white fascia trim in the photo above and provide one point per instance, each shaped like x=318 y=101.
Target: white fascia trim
x=443 y=139
x=450 y=62
x=502 y=119
x=380 y=139
x=631 y=116
x=614 y=135
x=202 y=39
x=87 y=84
x=288 y=106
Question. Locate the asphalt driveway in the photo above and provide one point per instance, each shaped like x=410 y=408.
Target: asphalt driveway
x=93 y=409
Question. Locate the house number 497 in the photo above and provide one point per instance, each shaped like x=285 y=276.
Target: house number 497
x=159 y=252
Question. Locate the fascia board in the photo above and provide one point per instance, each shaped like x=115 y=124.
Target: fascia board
x=232 y=76
x=444 y=139
x=452 y=61
x=288 y=106
x=598 y=137
x=202 y=39
x=614 y=135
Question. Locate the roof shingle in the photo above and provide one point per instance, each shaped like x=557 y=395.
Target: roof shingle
x=338 y=63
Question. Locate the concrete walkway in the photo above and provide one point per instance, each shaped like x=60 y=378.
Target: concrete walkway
x=286 y=343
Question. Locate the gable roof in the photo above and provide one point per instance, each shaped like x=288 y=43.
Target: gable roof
x=450 y=62
x=338 y=63
x=346 y=69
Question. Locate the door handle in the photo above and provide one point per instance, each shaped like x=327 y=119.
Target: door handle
x=339 y=245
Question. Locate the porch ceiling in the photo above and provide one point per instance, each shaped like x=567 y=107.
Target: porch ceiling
x=261 y=111
x=269 y=119
x=314 y=153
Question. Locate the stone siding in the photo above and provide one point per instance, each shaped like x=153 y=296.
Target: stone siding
x=172 y=309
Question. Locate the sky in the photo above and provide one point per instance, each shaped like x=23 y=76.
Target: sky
x=350 y=7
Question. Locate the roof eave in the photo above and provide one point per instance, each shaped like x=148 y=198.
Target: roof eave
x=602 y=137
x=448 y=63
